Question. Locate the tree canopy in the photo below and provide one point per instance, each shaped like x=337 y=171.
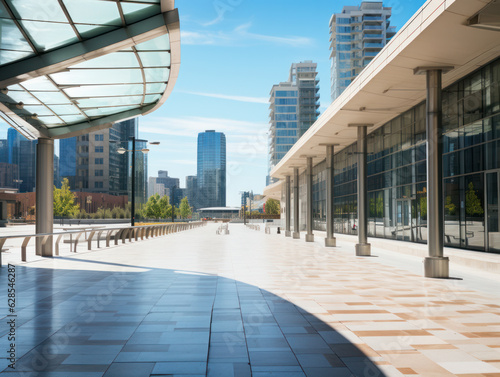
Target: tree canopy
x=184 y=208
x=272 y=207
x=158 y=207
x=64 y=201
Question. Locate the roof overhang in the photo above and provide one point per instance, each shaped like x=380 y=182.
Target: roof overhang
x=128 y=69
x=438 y=35
x=273 y=191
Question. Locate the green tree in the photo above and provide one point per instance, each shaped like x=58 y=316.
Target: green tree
x=184 y=208
x=64 y=201
x=157 y=208
x=472 y=202
x=272 y=207
x=449 y=206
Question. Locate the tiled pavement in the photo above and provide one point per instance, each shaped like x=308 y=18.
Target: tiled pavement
x=245 y=304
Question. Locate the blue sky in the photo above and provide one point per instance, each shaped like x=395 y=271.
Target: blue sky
x=233 y=51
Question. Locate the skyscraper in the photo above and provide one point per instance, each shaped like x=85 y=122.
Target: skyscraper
x=357 y=35
x=211 y=175
x=192 y=190
x=22 y=154
x=92 y=164
x=4 y=151
x=293 y=109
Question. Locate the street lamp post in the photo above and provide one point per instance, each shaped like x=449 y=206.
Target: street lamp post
x=133 y=150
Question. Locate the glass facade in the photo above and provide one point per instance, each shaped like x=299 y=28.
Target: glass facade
x=357 y=36
x=211 y=177
x=397 y=171
x=21 y=153
x=293 y=109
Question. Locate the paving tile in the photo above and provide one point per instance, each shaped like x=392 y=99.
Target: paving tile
x=180 y=368
x=129 y=370
x=294 y=310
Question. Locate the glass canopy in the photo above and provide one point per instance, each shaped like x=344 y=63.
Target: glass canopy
x=130 y=79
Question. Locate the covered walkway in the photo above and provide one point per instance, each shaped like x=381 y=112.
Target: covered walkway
x=246 y=304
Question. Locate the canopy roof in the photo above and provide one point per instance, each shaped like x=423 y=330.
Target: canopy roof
x=69 y=67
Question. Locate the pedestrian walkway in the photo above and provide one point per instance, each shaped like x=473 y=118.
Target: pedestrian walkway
x=246 y=304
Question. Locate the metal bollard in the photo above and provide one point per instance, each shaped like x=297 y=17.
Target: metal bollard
x=279 y=230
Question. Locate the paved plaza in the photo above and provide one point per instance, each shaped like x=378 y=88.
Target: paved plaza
x=197 y=303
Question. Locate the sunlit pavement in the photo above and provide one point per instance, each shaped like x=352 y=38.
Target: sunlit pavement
x=245 y=304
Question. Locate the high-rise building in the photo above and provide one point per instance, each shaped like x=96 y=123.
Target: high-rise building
x=294 y=108
x=22 y=154
x=169 y=183
x=91 y=162
x=155 y=188
x=357 y=34
x=304 y=76
x=4 y=151
x=57 y=181
x=192 y=190
x=211 y=170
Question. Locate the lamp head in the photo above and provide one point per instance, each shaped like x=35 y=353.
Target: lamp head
x=121 y=150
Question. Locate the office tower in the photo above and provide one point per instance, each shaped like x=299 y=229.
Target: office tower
x=170 y=183
x=155 y=188
x=7 y=174
x=192 y=190
x=357 y=35
x=141 y=171
x=22 y=154
x=91 y=162
x=27 y=164
x=293 y=109
x=211 y=169
x=4 y=151
x=177 y=195
x=57 y=181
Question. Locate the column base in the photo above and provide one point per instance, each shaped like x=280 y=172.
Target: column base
x=331 y=242
x=309 y=237
x=288 y=233
x=437 y=267
x=296 y=235
x=363 y=250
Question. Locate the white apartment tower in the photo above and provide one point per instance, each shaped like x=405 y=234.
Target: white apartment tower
x=356 y=36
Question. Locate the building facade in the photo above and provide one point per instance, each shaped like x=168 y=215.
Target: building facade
x=22 y=154
x=357 y=35
x=91 y=162
x=192 y=190
x=155 y=188
x=293 y=109
x=169 y=183
x=211 y=169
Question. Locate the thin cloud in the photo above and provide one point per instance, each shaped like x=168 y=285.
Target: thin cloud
x=191 y=126
x=204 y=39
x=240 y=34
x=242 y=30
x=261 y=100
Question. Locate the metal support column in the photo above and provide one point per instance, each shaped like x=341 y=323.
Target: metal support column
x=330 y=240
x=44 y=194
x=435 y=265
x=288 y=207
x=296 y=217
x=363 y=248
x=309 y=200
